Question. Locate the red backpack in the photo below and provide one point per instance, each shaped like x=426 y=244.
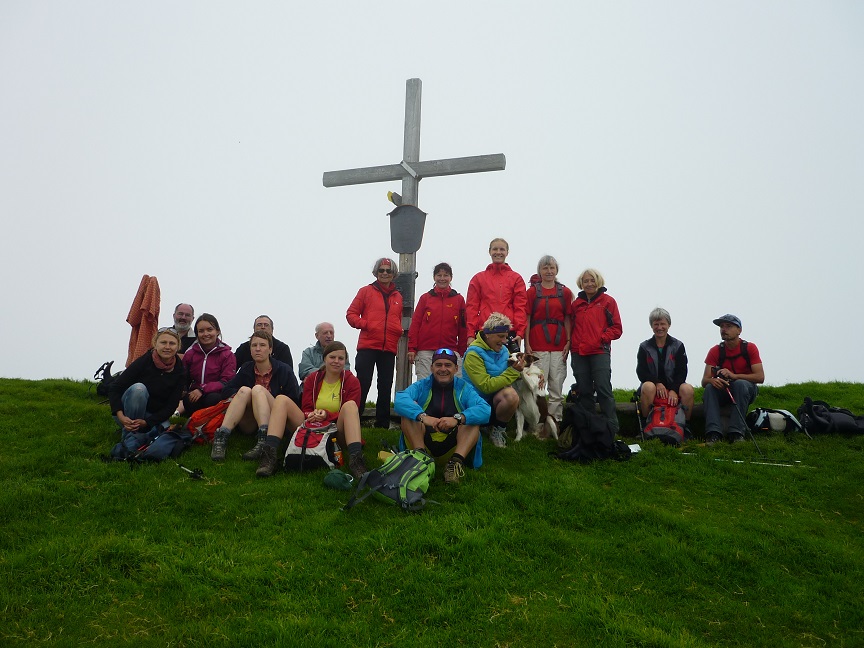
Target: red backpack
x=665 y=422
x=204 y=422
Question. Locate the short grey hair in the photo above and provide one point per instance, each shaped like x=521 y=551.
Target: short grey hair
x=659 y=314
x=547 y=259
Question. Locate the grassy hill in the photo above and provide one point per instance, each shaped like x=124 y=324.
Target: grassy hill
x=692 y=547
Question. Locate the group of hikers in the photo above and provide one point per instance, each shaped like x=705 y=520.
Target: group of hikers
x=467 y=354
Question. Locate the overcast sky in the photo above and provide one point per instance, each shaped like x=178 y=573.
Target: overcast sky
x=704 y=156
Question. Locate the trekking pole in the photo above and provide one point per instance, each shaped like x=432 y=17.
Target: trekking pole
x=639 y=418
x=197 y=473
x=744 y=422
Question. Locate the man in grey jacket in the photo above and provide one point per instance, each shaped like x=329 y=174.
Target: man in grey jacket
x=313 y=356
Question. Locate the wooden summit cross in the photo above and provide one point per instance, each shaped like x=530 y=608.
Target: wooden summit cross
x=410 y=171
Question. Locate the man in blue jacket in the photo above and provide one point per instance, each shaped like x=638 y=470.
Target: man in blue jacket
x=442 y=414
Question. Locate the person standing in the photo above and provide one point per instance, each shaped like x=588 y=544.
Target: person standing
x=184 y=315
x=498 y=289
x=549 y=328
x=596 y=322
x=377 y=312
x=438 y=322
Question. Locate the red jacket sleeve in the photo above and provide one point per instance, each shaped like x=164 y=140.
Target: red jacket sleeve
x=416 y=323
x=472 y=306
x=463 y=340
x=356 y=309
x=520 y=306
x=614 y=331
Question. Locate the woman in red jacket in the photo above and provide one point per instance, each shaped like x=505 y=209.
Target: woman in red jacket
x=438 y=322
x=330 y=395
x=377 y=312
x=596 y=323
x=498 y=289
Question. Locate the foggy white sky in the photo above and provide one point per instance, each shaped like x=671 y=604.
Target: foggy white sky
x=706 y=157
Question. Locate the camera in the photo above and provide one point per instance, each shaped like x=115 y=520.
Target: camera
x=512 y=343
x=715 y=373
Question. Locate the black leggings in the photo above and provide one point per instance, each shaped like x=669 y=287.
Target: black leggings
x=365 y=363
x=207 y=400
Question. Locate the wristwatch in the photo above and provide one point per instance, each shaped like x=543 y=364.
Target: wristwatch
x=421 y=416
x=460 y=418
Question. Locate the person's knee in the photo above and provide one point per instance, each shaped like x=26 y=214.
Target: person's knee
x=137 y=390
x=256 y=390
x=686 y=393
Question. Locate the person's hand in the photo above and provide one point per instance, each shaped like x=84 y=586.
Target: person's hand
x=519 y=363
x=542 y=382
x=195 y=395
x=445 y=423
x=565 y=352
x=410 y=357
x=672 y=398
x=316 y=415
x=431 y=421
x=661 y=391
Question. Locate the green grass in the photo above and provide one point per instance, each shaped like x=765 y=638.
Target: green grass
x=673 y=548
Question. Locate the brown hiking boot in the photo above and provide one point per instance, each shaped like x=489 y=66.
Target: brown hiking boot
x=453 y=472
x=357 y=465
x=255 y=453
x=267 y=463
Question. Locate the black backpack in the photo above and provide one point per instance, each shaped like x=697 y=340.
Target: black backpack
x=592 y=437
x=103 y=378
x=818 y=417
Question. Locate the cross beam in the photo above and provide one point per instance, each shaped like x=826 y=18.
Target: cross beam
x=410 y=171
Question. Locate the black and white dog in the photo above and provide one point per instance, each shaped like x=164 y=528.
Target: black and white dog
x=533 y=409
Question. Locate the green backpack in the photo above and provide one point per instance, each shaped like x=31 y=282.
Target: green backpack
x=403 y=479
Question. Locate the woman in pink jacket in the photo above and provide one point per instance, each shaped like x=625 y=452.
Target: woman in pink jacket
x=209 y=363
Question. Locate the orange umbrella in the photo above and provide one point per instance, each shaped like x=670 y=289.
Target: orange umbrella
x=143 y=317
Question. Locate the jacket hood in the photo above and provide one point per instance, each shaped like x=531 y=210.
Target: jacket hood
x=582 y=294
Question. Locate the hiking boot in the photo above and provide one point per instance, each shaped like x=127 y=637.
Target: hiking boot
x=736 y=438
x=255 y=453
x=713 y=437
x=453 y=472
x=498 y=437
x=220 y=440
x=267 y=463
x=357 y=465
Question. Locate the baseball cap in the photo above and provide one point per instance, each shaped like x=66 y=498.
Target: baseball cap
x=731 y=319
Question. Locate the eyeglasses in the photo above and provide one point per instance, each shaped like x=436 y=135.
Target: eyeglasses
x=445 y=352
x=167 y=329
x=385 y=271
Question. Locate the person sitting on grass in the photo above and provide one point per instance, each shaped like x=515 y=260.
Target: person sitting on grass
x=488 y=369
x=145 y=394
x=661 y=366
x=441 y=415
x=209 y=363
x=733 y=373
x=330 y=395
x=252 y=391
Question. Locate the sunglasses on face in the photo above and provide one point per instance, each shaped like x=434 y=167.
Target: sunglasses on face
x=169 y=329
x=385 y=271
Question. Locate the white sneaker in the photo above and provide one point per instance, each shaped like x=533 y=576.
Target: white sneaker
x=498 y=437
